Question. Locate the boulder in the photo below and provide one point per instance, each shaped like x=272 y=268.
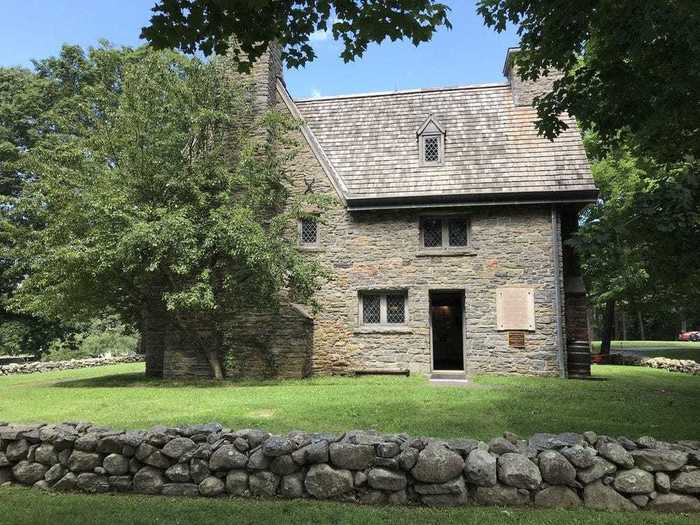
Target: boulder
x=616 y=453
x=640 y=500
x=346 y=455
x=634 y=481
x=17 y=450
x=437 y=464
x=86 y=442
x=502 y=496
x=110 y=444
x=66 y=483
x=480 y=468
x=662 y=482
x=674 y=503
x=278 y=446
x=158 y=460
x=237 y=483
x=199 y=470
x=292 y=485
x=601 y=467
x=388 y=449
x=80 y=461
x=516 y=470
x=178 y=446
x=180 y=489
x=557 y=497
x=601 y=497
x=283 y=465
x=323 y=481
x=408 y=458
x=120 y=483
x=46 y=455
x=55 y=473
x=659 y=460
x=211 y=487
x=258 y=461
x=180 y=473
x=116 y=464
x=28 y=473
x=455 y=486
x=501 y=445
x=556 y=469
x=92 y=483
x=144 y=450
x=687 y=482
x=227 y=458
x=580 y=457
x=148 y=480
x=311 y=454
x=383 y=479
x=544 y=441
x=263 y=483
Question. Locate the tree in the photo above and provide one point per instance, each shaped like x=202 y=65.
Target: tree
x=628 y=66
x=172 y=200
x=639 y=243
x=208 y=25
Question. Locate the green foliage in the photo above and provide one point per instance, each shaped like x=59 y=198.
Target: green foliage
x=99 y=337
x=208 y=25
x=159 y=185
x=640 y=243
x=628 y=66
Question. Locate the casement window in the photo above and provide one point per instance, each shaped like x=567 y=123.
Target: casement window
x=444 y=232
x=308 y=232
x=382 y=308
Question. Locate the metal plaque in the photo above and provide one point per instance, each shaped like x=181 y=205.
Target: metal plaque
x=516 y=339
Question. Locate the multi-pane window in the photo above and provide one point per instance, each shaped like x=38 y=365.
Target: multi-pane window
x=383 y=308
x=431 y=148
x=308 y=232
x=444 y=232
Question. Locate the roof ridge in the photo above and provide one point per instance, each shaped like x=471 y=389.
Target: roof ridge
x=402 y=92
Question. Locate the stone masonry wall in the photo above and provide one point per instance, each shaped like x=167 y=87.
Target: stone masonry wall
x=53 y=366
x=547 y=470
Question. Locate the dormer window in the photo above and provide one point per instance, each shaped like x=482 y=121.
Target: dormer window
x=431 y=142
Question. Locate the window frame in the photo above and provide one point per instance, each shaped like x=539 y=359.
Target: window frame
x=441 y=148
x=300 y=230
x=445 y=232
x=383 y=311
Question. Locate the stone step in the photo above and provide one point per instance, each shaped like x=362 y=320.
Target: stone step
x=449 y=375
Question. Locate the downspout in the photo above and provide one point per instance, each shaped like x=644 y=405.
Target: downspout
x=556 y=263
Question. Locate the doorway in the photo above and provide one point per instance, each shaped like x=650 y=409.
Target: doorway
x=447 y=327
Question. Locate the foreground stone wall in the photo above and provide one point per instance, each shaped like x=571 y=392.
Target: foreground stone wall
x=52 y=366
x=558 y=471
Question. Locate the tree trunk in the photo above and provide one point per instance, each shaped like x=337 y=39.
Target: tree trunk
x=623 y=315
x=608 y=328
x=214 y=363
x=641 y=325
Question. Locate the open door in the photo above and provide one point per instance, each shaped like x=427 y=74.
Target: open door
x=447 y=327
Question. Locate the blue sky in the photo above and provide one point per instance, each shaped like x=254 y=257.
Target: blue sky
x=469 y=54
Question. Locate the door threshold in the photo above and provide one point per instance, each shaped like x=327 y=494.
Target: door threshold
x=448 y=375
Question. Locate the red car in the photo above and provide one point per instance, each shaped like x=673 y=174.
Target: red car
x=689 y=336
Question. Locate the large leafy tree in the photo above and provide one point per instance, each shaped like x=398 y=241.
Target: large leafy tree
x=208 y=25
x=627 y=66
x=639 y=244
x=171 y=202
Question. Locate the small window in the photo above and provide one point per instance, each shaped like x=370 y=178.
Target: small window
x=444 y=232
x=383 y=308
x=308 y=232
x=431 y=149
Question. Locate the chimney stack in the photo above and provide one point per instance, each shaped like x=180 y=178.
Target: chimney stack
x=524 y=92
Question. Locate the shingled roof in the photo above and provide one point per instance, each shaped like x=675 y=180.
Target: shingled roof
x=492 y=150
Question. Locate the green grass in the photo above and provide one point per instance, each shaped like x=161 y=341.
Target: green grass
x=671 y=349
x=31 y=507
x=631 y=401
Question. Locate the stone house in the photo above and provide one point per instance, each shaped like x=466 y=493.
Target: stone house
x=446 y=245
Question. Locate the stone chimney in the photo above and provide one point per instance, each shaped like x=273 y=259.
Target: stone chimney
x=261 y=81
x=524 y=92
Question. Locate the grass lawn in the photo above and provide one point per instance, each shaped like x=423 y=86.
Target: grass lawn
x=671 y=349
x=632 y=401
x=31 y=507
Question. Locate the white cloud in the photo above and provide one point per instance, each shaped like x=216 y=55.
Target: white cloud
x=315 y=93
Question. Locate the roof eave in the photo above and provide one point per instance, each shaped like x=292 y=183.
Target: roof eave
x=472 y=200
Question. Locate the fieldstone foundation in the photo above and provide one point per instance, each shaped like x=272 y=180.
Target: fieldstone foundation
x=547 y=470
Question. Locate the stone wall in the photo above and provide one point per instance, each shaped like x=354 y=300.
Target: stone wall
x=53 y=366
x=686 y=366
x=547 y=470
